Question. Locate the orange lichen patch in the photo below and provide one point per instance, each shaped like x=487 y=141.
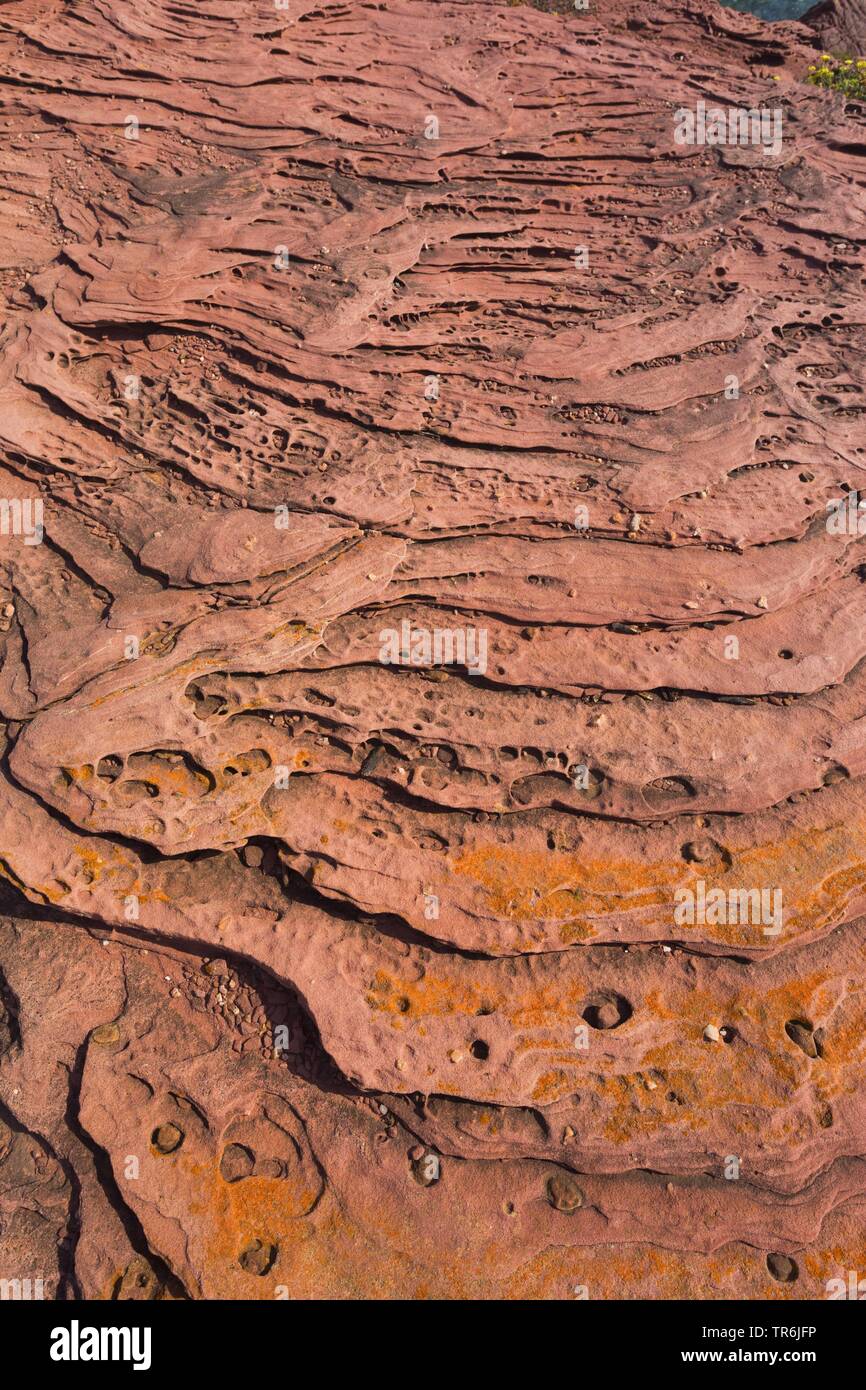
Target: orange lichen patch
x=257 y=1207
x=836 y=1260
x=550 y=886
x=114 y=863
x=655 y=1002
x=267 y=1209
x=552 y=1086
x=296 y=632
x=431 y=996
x=734 y=1270
x=321 y=1254
x=337 y=1252
x=182 y=781
x=93 y=863
x=338 y=1263
x=813 y=998
x=796 y=995
x=548 y=1004
x=750 y=1067
x=844 y=1043
x=79 y=774
x=617 y=1272
x=639 y=1113
x=726 y=1079
x=818 y=871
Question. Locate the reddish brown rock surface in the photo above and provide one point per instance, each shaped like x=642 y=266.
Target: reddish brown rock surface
x=334 y=964
x=840 y=24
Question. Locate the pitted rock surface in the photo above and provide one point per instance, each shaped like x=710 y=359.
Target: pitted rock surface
x=415 y=585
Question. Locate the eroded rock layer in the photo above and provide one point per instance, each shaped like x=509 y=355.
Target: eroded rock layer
x=432 y=654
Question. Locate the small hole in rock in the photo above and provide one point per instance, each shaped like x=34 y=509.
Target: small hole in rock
x=167 y=1138
x=607 y=1011
x=563 y=1192
x=782 y=1268
x=257 y=1257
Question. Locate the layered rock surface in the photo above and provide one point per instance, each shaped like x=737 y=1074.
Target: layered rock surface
x=415 y=581
x=841 y=25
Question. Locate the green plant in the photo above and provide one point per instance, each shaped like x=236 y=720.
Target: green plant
x=845 y=75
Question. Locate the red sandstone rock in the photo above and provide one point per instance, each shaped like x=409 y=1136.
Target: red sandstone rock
x=840 y=25
x=312 y=920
